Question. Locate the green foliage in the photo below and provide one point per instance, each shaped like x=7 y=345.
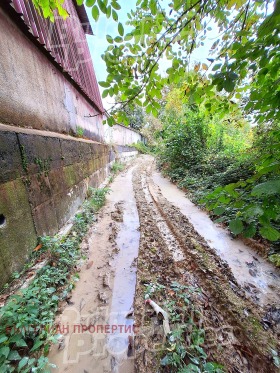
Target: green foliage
x=79 y=131
x=141 y=147
x=47 y=8
x=247 y=49
x=244 y=62
x=183 y=351
x=275 y=259
x=225 y=165
x=97 y=197
x=27 y=320
x=117 y=167
x=135 y=116
x=254 y=202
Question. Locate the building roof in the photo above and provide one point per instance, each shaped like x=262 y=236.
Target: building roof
x=83 y=18
x=64 y=41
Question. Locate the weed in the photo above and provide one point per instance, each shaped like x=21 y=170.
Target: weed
x=97 y=197
x=26 y=329
x=142 y=148
x=116 y=167
x=183 y=352
x=275 y=258
x=43 y=165
x=79 y=131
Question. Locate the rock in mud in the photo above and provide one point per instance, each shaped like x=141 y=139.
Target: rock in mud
x=106 y=280
x=103 y=296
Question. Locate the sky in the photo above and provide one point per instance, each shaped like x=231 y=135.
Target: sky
x=98 y=42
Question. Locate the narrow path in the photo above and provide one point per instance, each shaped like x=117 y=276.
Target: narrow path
x=259 y=278
x=95 y=327
x=145 y=211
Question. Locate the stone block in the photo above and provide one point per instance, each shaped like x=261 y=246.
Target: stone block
x=72 y=175
x=70 y=151
x=10 y=157
x=57 y=181
x=39 y=189
x=45 y=218
x=40 y=153
x=85 y=151
x=17 y=232
x=68 y=202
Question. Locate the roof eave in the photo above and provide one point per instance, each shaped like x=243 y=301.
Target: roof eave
x=82 y=14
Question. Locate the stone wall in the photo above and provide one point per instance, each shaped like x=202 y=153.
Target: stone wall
x=43 y=180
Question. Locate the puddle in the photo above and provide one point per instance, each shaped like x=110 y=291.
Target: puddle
x=123 y=291
x=258 y=277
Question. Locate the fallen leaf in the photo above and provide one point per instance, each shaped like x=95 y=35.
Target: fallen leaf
x=38 y=247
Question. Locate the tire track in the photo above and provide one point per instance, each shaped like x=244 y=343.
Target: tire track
x=164 y=230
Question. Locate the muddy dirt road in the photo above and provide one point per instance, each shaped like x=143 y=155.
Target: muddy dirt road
x=144 y=245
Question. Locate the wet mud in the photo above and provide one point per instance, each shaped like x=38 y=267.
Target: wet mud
x=236 y=336
x=148 y=233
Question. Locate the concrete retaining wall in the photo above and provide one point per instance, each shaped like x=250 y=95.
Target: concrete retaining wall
x=120 y=135
x=43 y=180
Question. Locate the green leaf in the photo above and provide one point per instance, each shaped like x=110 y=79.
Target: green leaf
x=216 y=67
x=104 y=84
x=105 y=93
x=120 y=29
x=95 y=12
x=109 y=39
x=213 y=368
x=236 y=226
x=38 y=343
x=3 y=338
x=90 y=3
x=165 y=361
x=118 y=39
x=153 y=7
x=115 y=15
x=23 y=362
x=269 y=233
x=249 y=231
x=80 y=2
x=109 y=10
x=219 y=210
x=269 y=187
x=116 y=5
x=4 y=351
x=128 y=37
x=14 y=355
x=191 y=368
x=18 y=340
x=228 y=85
x=102 y=6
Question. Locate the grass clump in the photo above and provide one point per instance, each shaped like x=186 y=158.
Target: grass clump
x=117 y=167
